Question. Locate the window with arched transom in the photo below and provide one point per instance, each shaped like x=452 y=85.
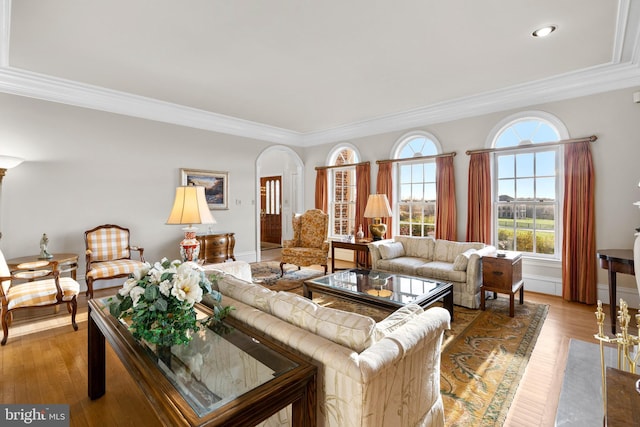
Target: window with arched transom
x=527 y=183
x=416 y=184
x=342 y=191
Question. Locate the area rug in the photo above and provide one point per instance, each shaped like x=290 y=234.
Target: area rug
x=483 y=363
x=268 y=274
x=484 y=356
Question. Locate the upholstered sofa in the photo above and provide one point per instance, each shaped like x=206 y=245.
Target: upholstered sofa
x=369 y=374
x=445 y=260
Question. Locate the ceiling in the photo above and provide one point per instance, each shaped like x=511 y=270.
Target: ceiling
x=304 y=72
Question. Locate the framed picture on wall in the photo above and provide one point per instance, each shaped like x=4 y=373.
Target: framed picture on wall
x=216 y=185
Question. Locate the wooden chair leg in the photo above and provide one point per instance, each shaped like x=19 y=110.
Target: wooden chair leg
x=89 y=292
x=5 y=327
x=74 y=310
x=281 y=269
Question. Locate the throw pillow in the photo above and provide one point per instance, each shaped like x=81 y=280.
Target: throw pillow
x=391 y=250
x=351 y=330
x=249 y=293
x=396 y=319
x=462 y=260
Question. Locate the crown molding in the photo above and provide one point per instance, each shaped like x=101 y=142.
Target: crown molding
x=572 y=85
x=34 y=85
x=622 y=72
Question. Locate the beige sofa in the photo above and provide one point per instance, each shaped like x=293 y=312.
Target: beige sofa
x=445 y=260
x=369 y=374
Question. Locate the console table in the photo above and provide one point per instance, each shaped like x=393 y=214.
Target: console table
x=67 y=263
x=216 y=247
x=236 y=377
x=615 y=261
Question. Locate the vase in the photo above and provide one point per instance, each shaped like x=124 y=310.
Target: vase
x=360 y=233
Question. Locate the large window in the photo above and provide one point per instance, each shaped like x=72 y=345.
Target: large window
x=343 y=192
x=416 y=207
x=527 y=197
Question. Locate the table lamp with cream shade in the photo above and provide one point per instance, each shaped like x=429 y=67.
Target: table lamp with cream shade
x=377 y=208
x=7 y=162
x=190 y=207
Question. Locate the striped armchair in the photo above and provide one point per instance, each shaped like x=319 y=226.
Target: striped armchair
x=108 y=254
x=309 y=245
x=35 y=284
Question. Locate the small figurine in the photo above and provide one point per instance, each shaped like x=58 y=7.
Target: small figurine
x=44 y=242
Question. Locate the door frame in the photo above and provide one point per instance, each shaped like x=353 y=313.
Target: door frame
x=292 y=178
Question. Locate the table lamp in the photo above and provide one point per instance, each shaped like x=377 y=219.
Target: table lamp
x=377 y=208
x=7 y=162
x=190 y=207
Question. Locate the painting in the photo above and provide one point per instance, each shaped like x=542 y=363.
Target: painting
x=215 y=185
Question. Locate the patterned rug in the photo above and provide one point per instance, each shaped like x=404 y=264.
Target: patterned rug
x=483 y=363
x=484 y=354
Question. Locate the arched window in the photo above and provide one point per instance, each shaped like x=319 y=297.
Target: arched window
x=342 y=192
x=416 y=184
x=527 y=183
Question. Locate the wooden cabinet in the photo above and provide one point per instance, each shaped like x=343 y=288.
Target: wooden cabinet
x=502 y=274
x=216 y=247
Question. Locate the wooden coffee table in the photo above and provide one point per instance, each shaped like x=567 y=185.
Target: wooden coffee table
x=381 y=289
x=236 y=378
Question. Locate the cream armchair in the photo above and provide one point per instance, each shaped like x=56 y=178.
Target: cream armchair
x=35 y=284
x=108 y=254
x=309 y=245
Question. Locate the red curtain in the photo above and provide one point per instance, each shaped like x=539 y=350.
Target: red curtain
x=579 y=269
x=479 y=199
x=445 y=199
x=363 y=188
x=322 y=193
x=384 y=185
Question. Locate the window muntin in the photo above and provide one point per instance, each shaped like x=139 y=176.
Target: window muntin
x=342 y=208
x=527 y=205
x=416 y=212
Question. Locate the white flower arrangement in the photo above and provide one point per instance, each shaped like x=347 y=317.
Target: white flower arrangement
x=159 y=301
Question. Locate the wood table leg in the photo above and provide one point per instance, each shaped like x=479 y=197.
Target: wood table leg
x=612 y=298
x=97 y=360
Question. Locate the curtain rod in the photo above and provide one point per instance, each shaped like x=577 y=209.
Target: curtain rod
x=410 y=159
x=591 y=138
x=341 y=166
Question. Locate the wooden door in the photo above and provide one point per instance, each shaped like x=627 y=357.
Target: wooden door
x=271 y=210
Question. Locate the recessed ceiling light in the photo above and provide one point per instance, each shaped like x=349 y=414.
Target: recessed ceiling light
x=544 y=31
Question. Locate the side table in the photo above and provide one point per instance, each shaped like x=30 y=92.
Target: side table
x=356 y=246
x=502 y=274
x=67 y=263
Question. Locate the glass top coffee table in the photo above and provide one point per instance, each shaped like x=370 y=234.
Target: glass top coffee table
x=233 y=376
x=381 y=289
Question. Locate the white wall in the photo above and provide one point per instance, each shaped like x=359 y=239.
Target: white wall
x=610 y=116
x=84 y=168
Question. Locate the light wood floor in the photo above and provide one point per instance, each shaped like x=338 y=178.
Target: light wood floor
x=45 y=362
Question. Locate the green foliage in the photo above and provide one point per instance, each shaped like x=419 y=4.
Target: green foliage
x=158 y=302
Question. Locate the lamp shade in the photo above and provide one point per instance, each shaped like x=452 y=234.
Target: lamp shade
x=8 y=162
x=190 y=207
x=377 y=206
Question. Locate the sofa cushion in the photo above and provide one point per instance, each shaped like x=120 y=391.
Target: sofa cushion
x=351 y=330
x=441 y=271
x=447 y=250
x=391 y=250
x=404 y=264
x=395 y=320
x=462 y=260
x=249 y=293
x=419 y=247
